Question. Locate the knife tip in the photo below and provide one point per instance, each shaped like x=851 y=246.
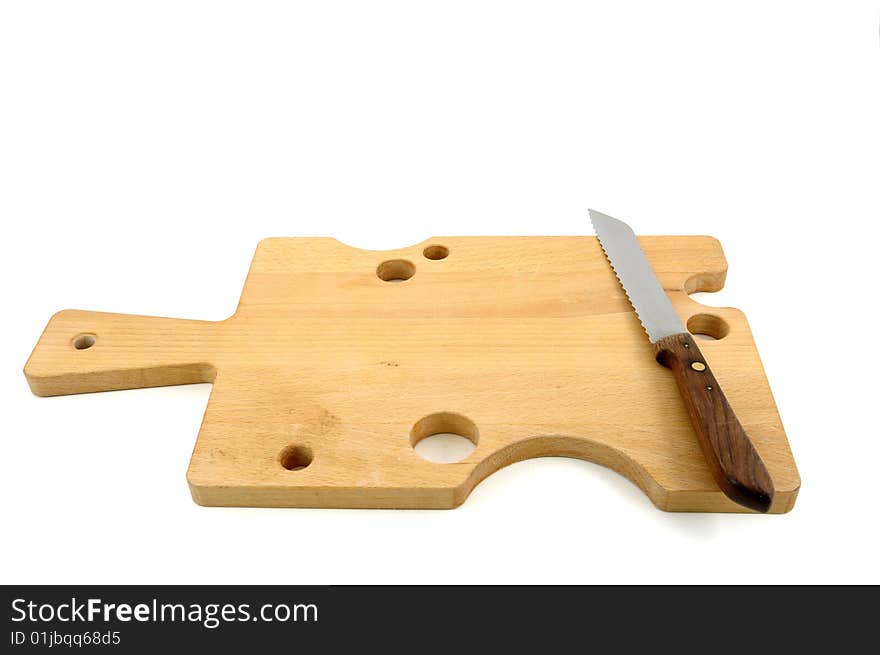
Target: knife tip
x=598 y=219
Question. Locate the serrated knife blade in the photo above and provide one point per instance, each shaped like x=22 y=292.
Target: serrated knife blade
x=636 y=276
x=733 y=459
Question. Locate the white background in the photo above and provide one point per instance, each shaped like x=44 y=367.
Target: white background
x=146 y=148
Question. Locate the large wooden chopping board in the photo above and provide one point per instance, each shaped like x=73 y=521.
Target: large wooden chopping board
x=526 y=345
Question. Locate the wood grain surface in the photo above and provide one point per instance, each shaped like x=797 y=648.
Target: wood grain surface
x=338 y=360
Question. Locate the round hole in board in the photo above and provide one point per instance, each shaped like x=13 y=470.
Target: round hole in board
x=436 y=252
x=296 y=458
x=444 y=437
x=84 y=341
x=395 y=270
x=708 y=326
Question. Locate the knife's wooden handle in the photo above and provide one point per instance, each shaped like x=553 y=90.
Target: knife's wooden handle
x=736 y=465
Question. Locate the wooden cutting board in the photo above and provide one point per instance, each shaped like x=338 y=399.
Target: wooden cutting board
x=338 y=360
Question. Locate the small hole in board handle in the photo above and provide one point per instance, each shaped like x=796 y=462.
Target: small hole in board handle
x=84 y=341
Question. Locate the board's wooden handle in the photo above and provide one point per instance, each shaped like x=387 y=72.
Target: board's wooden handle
x=81 y=352
x=736 y=465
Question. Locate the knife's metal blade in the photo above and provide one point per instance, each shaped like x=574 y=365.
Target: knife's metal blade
x=638 y=279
